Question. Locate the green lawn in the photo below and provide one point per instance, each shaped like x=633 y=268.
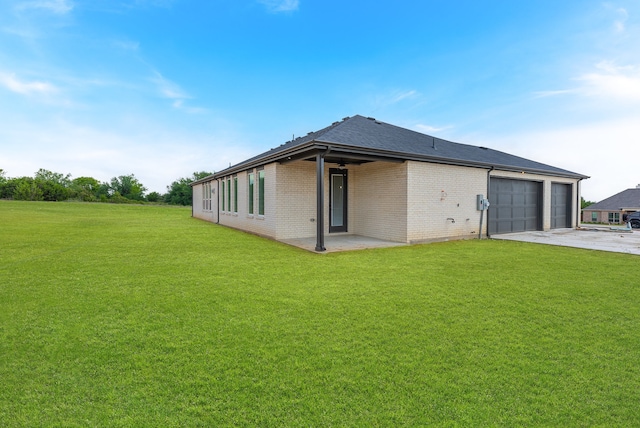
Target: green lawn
x=118 y=315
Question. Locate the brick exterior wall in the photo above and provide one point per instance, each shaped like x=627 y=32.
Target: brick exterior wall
x=602 y=216
x=264 y=225
x=296 y=200
x=198 y=210
x=378 y=200
x=403 y=202
x=442 y=201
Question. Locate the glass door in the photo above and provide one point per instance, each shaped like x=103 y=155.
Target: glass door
x=338 y=200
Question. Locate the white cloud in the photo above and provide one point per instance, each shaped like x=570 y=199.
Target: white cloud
x=167 y=88
x=602 y=150
x=399 y=96
x=612 y=81
x=172 y=91
x=155 y=155
x=620 y=23
x=10 y=82
x=427 y=129
x=545 y=94
x=394 y=97
x=280 y=5
x=59 y=7
x=607 y=82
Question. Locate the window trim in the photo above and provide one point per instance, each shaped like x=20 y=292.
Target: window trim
x=616 y=217
x=235 y=194
x=223 y=195
x=261 y=191
x=206 y=196
x=229 y=208
x=251 y=192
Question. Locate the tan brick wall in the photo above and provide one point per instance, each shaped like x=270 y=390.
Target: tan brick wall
x=378 y=202
x=403 y=202
x=296 y=199
x=546 y=193
x=198 y=209
x=196 y=193
x=442 y=201
x=264 y=225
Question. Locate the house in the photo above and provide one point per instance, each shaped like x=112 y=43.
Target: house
x=365 y=177
x=613 y=209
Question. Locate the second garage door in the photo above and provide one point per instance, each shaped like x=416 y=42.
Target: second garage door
x=560 y=205
x=516 y=205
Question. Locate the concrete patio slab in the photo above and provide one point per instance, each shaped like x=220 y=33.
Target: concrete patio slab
x=592 y=238
x=336 y=243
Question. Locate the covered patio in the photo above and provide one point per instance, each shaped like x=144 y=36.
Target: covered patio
x=342 y=242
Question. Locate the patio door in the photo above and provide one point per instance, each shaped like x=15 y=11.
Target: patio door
x=337 y=200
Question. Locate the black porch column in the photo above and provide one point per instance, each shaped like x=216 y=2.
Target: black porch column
x=320 y=202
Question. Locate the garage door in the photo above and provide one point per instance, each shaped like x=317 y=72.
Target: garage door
x=515 y=205
x=560 y=205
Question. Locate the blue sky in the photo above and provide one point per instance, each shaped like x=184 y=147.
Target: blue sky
x=163 y=88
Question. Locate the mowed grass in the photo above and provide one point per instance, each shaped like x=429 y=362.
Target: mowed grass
x=114 y=315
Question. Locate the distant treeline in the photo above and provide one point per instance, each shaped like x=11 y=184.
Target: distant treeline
x=52 y=186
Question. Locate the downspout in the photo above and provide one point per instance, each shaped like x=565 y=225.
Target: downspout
x=579 y=204
x=482 y=212
x=320 y=200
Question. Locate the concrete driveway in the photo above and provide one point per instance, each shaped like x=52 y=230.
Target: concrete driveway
x=592 y=238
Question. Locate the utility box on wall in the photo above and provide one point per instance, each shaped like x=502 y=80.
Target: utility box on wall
x=482 y=203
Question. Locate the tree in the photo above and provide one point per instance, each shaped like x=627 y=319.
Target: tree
x=3 y=183
x=179 y=193
x=128 y=187
x=26 y=189
x=154 y=197
x=584 y=203
x=85 y=189
x=54 y=186
x=8 y=187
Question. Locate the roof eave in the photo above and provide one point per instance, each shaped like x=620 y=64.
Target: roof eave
x=314 y=146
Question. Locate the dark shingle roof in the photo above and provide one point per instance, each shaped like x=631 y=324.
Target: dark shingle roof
x=368 y=135
x=629 y=198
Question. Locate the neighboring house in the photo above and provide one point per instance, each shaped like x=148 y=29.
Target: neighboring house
x=613 y=209
x=364 y=177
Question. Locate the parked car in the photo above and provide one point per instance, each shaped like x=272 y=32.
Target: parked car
x=634 y=219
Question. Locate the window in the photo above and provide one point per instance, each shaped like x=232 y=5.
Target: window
x=222 y=194
x=206 y=196
x=251 y=191
x=235 y=195
x=594 y=216
x=261 y=192
x=229 y=194
x=614 y=217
